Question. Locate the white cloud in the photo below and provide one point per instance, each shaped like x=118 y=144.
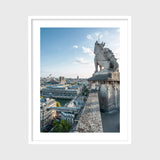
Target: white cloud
x=116 y=44
x=81 y=61
x=87 y=50
x=117 y=50
x=89 y=37
x=75 y=46
x=97 y=34
x=100 y=36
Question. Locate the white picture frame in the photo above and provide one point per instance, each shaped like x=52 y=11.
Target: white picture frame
x=34 y=25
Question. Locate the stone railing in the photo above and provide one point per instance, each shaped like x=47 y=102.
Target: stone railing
x=90 y=120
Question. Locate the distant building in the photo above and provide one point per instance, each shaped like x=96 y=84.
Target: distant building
x=62 y=80
x=53 y=81
x=50 y=76
x=46 y=116
x=61 y=91
x=77 y=87
x=67 y=116
x=77 y=77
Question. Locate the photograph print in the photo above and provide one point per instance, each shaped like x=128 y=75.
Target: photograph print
x=80 y=80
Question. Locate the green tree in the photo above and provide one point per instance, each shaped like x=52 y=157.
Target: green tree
x=66 y=125
x=58 y=104
x=55 y=123
x=86 y=92
x=62 y=126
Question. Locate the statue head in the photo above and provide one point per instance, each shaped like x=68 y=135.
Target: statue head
x=98 y=47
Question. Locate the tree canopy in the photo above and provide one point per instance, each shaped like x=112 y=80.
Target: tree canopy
x=85 y=93
x=61 y=126
x=58 y=104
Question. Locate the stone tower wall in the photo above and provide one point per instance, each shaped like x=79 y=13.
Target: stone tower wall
x=109 y=96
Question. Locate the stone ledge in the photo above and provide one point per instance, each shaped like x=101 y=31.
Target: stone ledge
x=108 y=77
x=100 y=77
x=90 y=120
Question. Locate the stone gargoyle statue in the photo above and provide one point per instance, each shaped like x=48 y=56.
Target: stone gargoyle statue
x=105 y=59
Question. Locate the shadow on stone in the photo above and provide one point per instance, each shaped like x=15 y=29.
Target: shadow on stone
x=111 y=121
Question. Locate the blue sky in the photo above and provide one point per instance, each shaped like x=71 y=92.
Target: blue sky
x=68 y=52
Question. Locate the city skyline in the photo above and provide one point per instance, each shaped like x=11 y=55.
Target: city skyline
x=68 y=52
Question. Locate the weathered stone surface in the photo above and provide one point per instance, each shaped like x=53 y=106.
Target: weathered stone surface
x=109 y=96
x=111 y=121
x=108 y=78
x=100 y=77
x=115 y=76
x=105 y=85
x=90 y=120
x=103 y=97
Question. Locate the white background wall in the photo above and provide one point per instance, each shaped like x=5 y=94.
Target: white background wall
x=13 y=81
